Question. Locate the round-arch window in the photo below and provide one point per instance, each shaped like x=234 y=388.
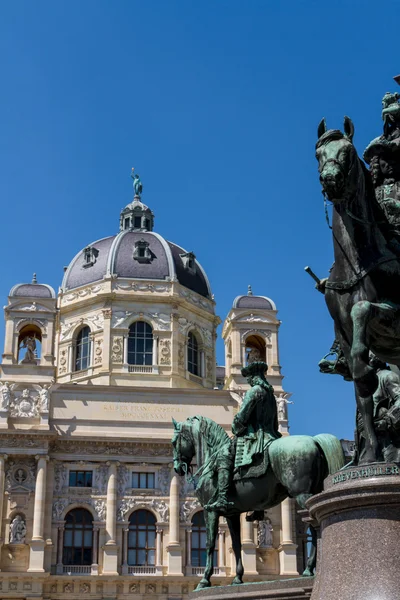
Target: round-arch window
x=142 y=539
x=199 y=541
x=82 y=354
x=193 y=355
x=78 y=537
x=140 y=344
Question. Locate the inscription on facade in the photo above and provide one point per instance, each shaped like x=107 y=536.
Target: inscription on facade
x=137 y=412
x=362 y=473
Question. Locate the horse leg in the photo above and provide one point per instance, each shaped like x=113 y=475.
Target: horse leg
x=312 y=559
x=211 y=519
x=364 y=376
x=234 y=530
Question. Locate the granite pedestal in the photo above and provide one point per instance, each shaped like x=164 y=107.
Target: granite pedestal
x=359 y=550
x=298 y=588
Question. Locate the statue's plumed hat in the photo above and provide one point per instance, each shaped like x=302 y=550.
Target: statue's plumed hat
x=382 y=147
x=255 y=368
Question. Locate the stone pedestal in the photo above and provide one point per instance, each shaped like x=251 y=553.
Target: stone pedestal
x=359 y=515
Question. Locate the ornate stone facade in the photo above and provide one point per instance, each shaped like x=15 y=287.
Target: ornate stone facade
x=85 y=422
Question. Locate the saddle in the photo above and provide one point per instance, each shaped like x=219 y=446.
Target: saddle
x=256 y=469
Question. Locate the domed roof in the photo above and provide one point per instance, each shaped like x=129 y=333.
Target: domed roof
x=136 y=255
x=136 y=252
x=254 y=302
x=33 y=290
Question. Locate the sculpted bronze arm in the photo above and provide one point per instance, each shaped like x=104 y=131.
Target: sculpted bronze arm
x=241 y=419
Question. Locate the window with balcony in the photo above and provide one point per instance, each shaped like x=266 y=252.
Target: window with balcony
x=78 y=537
x=142 y=539
x=199 y=542
x=140 y=344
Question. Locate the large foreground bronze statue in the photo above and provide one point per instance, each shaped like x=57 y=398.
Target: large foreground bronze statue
x=362 y=291
x=254 y=470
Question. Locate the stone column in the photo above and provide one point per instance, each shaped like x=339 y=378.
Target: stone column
x=95 y=553
x=155 y=350
x=125 y=534
x=249 y=548
x=155 y=353
x=125 y=346
x=202 y=364
x=36 y=558
x=188 y=551
x=3 y=458
x=174 y=548
x=221 y=549
x=60 y=547
x=71 y=353
x=110 y=547
x=287 y=549
x=159 y=533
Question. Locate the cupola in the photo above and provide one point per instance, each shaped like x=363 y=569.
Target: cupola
x=136 y=216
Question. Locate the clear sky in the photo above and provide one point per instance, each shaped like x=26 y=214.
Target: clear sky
x=216 y=104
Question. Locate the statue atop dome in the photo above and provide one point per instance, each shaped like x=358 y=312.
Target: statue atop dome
x=137 y=184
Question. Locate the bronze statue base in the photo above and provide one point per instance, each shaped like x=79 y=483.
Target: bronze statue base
x=359 y=516
x=298 y=588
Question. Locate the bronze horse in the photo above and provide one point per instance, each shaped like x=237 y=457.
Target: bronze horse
x=362 y=291
x=298 y=465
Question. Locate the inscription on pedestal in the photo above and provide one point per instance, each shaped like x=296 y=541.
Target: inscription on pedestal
x=365 y=472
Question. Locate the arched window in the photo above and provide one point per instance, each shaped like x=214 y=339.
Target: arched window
x=193 y=364
x=140 y=344
x=255 y=349
x=29 y=344
x=199 y=541
x=78 y=537
x=82 y=350
x=142 y=539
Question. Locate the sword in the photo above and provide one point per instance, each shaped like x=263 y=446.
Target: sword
x=313 y=275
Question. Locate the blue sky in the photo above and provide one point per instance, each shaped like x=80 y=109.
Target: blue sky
x=216 y=104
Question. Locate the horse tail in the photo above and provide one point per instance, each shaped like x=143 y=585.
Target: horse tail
x=332 y=450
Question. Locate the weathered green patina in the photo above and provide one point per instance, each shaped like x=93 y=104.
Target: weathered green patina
x=297 y=467
x=362 y=291
x=137 y=184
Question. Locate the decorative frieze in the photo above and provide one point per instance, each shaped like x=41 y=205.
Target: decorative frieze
x=117 y=349
x=141 y=287
x=110 y=448
x=165 y=352
x=95 y=321
x=20 y=474
x=127 y=504
x=77 y=295
x=61 y=504
x=188 y=508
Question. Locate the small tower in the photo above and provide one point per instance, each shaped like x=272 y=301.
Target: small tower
x=29 y=337
x=250 y=333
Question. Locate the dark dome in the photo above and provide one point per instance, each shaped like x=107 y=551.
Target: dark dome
x=32 y=290
x=136 y=255
x=255 y=302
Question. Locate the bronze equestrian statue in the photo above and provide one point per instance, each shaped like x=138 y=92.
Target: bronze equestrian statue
x=255 y=470
x=362 y=291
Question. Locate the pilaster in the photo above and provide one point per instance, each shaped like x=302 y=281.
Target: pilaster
x=287 y=549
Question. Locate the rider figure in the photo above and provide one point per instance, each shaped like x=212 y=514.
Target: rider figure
x=255 y=426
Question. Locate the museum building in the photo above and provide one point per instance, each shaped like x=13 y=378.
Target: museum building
x=90 y=379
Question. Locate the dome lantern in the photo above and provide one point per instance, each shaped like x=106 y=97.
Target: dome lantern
x=136 y=216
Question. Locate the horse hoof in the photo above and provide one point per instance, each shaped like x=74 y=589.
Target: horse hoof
x=237 y=581
x=202 y=585
x=307 y=573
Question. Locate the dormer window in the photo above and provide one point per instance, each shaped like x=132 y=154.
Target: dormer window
x=189 y=262
x=90 y=255
x=142 y=252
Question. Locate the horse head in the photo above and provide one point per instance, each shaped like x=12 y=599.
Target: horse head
x=337 y=159
x=183 y=448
